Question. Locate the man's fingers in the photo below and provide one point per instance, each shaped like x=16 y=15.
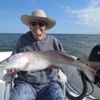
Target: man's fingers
x=54 y=66
x=13 y=70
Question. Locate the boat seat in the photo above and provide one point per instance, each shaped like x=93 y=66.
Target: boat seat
x=8 y=77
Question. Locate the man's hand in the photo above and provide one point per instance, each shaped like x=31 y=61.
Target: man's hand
x=54 y=66
x=13 y=70
x=17 y=70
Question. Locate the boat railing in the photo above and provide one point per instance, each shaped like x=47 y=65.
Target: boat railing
x=3 y=55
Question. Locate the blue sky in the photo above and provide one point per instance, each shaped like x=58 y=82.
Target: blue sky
x=72 y=16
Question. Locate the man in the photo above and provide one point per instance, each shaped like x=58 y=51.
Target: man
x=41 y=85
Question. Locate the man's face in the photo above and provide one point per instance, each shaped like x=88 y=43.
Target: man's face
x=37 y=28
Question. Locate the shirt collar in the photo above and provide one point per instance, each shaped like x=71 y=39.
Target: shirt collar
x=30 y=37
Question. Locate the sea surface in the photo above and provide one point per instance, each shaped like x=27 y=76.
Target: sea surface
x=79 y=45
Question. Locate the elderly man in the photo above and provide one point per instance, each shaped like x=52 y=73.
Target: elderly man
x=41 y=85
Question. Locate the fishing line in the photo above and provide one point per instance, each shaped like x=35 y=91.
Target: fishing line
x=92 y=89
x=90 y=82
x=78 y=93
x=91 y=86
x=72 y=87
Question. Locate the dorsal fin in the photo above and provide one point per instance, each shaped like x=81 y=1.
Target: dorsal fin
x=63 y=54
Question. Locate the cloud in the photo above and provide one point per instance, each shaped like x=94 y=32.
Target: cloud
x=94 y=3
x=88 y=16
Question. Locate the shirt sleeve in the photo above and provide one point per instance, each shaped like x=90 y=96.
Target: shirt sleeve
x=58 y=46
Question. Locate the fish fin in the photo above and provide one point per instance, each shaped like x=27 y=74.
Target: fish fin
x=26 y=67
x=59 y=52
x=94 y=65
x=63 y=54
x=90 y=74
x=93 y=68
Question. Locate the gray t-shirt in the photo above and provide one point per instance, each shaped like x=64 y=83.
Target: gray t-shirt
x=28 y=43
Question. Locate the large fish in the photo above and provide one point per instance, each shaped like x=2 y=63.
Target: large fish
x=36 y=60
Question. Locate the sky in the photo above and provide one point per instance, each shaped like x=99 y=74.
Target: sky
x=72 y=16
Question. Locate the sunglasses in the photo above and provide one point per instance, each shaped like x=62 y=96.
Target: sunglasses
x=38 y=23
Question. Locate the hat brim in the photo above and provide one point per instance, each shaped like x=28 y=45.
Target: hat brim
x=49 y=21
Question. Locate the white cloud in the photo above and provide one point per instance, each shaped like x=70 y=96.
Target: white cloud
x=87 y=16
x=94 y=3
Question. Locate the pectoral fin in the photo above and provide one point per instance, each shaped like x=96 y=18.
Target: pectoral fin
x=90 y=74
x=26 y=67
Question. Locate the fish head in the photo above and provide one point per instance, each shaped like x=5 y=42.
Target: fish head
x=15 y=61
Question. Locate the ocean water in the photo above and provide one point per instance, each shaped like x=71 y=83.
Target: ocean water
x=79 y=45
